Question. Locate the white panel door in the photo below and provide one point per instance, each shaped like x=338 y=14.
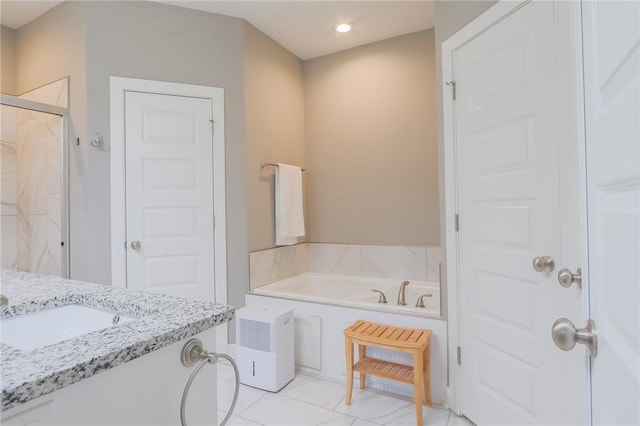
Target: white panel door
x=612 y=98
x=508 y=121
x=169 y=195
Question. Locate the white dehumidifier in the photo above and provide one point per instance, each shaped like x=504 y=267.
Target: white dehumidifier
x=264 y=347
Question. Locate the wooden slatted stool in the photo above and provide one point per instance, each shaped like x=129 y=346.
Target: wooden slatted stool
x=409 y=340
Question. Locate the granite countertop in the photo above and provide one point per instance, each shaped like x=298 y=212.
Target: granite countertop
x=163 y=320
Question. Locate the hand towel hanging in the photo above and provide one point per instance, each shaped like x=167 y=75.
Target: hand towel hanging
x=288 y=205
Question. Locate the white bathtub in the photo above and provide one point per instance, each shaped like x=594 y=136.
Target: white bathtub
x=325 y=304
x=354 y=291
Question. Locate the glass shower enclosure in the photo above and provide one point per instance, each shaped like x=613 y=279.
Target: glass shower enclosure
x=34 y=195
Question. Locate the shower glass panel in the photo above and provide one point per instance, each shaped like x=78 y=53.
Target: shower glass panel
x=33 y=193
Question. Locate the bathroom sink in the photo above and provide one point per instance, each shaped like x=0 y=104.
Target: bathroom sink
x=37 y=329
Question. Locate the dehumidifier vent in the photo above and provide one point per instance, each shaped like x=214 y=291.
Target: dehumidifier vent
x=255 y=335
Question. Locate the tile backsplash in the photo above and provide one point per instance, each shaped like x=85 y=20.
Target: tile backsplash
x=397 y=262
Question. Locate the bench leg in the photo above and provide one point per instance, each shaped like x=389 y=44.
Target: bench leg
x=348 y=346
x=362 y=352
x=427 y=375
x=417 y=383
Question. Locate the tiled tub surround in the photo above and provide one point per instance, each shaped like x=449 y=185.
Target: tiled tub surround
x=163 y=320
x=355 y=292
x=397 y=262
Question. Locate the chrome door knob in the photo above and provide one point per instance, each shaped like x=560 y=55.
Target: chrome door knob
x=136 y=245
x=566 y=278
x=566 y=335
x=543 y=263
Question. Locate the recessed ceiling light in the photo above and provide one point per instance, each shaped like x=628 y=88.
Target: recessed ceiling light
x=344 y=27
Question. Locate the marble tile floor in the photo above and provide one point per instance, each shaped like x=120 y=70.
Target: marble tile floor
x=311 y=401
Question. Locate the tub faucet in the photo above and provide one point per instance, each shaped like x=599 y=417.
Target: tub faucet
x=420 y=302
x=382 y=298
x=401 y=300
x=4 y=301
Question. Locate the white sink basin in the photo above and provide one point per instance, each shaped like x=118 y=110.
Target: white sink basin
x=35 y=330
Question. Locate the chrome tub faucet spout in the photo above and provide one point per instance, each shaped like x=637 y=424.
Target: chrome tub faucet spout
x=401 y=300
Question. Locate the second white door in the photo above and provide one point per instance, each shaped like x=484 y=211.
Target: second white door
x=509 y=127
x=169 y=195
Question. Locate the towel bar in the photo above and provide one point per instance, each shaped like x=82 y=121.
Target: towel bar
x=263 y=165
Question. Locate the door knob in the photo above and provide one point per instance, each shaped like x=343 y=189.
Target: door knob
x=136 y=245
x=566 y=335
x=543 y=263
x=566 y=278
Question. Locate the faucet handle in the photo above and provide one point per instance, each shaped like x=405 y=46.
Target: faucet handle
x=382 y=298
x=420 y=302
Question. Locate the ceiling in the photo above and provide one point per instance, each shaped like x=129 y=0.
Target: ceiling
x=306 y=28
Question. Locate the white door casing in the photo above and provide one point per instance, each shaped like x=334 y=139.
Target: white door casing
x=612 y=107
x=168 y=188
x=513 y=119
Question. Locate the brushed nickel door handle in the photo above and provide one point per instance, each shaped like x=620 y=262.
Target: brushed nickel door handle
x=543 y=263
x=136 y=245
x=566 y=278
x=566 y=335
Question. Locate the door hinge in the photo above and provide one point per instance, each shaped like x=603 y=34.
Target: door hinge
x=125 y=245
x=213 y=126
x=457 y=222
x=459 y=355
x=452 y=84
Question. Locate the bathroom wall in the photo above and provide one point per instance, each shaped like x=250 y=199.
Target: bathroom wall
x=89 y=41
x=274 y=127
x=142 y=39
x=7 y=64
x=371 y=150
x=48 y=49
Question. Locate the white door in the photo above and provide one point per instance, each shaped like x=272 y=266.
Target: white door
x=611 y=70
x=509 y=120
x=169 y=195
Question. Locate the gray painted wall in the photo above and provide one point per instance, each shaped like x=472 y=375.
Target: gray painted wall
x=274 y=126
x=90 y=41
x=371 y=144
x=47 y=49
x=8 y=60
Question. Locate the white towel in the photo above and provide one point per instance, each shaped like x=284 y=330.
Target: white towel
x=289 y=214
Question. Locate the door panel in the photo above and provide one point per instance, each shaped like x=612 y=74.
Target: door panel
x=611 y=55
x=169 y=194
x=508 y=118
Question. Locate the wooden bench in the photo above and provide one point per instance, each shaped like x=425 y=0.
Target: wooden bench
x=413 y=341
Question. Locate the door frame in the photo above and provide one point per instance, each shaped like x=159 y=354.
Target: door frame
x=118 y=87
x=568 y=29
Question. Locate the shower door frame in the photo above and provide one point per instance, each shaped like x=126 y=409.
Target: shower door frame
x=63 y=113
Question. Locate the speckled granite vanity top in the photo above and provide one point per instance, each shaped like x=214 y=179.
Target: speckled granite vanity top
x=162 y=320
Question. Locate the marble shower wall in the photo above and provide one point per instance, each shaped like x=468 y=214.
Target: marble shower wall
x=396 y=262
x=31 y=184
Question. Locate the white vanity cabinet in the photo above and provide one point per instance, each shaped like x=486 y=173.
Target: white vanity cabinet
x=144 y=391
